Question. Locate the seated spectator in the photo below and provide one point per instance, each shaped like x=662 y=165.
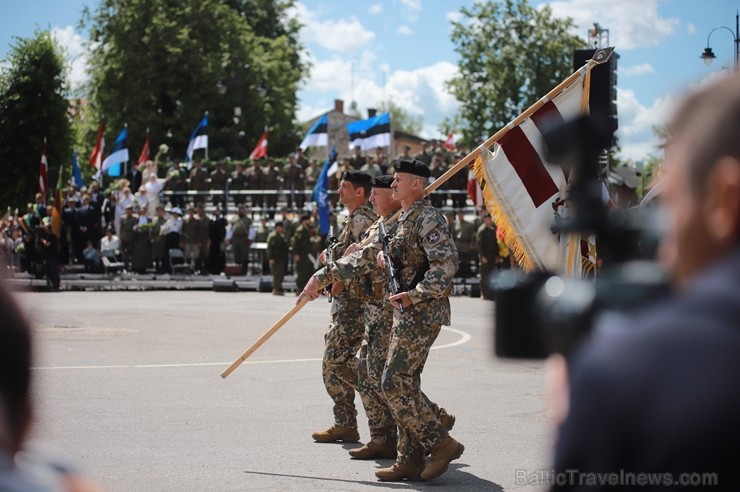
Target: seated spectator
x=93 y=263
x=110 y=244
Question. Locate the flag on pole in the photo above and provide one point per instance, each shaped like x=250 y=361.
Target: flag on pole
x=76 y=174
x=56 y=212
x=112 y=163
x=520 y=188
x=43 y=172
x=318 y=135
x=144 y=155
x=321 y=192
x=199 y=138
x=449 y=144
x=96 y=158
x=370 y=133
x=260 y=150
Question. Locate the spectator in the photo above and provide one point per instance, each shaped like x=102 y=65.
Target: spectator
x=159 y=241
x=371 y=167
x=172 y=230
x=216 y=237
x=127 y=234
x=198 y=177
x=294 y=183
x=255 y=177
x=203 y=234
x=23 y=470
x=240 y=240
x=238 y=182
x=153 y=187
x=219 y=178
x=93 y=263
x=465 y=243
x=110 y=244
x=271 y=183
x=355 y=162
x=191 y=238
x=312 y=174
x=50 y=253
x=277 y=254
x=487 y=247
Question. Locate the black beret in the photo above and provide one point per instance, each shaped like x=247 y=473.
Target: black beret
x=357 y=177
x=415 y=167
x=382 y=181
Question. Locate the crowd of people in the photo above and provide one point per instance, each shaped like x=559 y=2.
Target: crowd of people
x=215 y=219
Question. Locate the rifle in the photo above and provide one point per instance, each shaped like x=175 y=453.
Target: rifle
x=391 y=272
x=331 y=240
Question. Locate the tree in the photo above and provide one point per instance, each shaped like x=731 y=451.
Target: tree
x=511 y=54
x=160 y=65
x=402 y=120
x=33 y=105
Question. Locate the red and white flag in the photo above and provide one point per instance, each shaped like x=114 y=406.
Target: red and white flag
x=450 y=142
x=520 y=188
x=43 y=172
x=144 y=156
x=260 y=150
x=96 y=158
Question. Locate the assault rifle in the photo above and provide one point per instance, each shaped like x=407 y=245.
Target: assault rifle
x=331 y=240
x=391 y=271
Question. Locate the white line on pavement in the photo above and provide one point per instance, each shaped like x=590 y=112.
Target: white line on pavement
x=464 y=338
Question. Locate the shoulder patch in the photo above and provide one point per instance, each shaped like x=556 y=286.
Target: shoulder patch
x=433 y=237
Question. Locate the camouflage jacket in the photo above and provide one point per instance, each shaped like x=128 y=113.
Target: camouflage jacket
x=360 y=263
x=426 y=255
x=354 y=230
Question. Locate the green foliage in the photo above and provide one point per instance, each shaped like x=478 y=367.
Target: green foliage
x=160 y=64
x=400 y=119
x=33 y=105
x=511 y=54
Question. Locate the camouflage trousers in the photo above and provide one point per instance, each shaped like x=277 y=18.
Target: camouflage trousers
x=340 y=365
x=373 y=353
x=413 y=334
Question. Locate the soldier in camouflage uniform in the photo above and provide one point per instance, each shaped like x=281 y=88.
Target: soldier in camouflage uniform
x=344 y=337
x=378 y=317
x=425 y=253
x=301 y=246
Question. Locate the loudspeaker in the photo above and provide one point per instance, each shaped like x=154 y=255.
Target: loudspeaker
x=224 y=285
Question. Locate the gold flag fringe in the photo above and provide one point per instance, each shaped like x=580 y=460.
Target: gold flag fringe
x=499 y=217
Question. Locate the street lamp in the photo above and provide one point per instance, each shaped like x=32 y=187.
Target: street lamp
x=709 y=55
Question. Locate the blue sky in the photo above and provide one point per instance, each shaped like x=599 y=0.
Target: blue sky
x=401 y=50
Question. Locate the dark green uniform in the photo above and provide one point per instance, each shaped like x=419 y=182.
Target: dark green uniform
x=302 y=247
x=487 y=252
x=277 y=253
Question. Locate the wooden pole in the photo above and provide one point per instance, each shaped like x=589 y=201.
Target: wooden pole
x=599 y=57
x=253 y=348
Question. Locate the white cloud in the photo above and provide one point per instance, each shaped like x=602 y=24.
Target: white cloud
x=690 y=28
x=631 y=23
x=641 y=69
x=636 y=123
x=454 y=16
x=414 y=5
x=405 y=30
x=375 y=9
x=342 y=35
x=75 y=55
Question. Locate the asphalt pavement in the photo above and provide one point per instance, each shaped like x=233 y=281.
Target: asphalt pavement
x=128 y=385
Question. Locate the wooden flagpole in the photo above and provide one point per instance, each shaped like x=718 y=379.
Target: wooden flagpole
x=599 y=57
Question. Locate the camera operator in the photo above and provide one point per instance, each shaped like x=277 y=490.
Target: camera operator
x=660 y=396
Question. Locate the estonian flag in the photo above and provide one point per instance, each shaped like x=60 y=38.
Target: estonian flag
x=112 y=163
x=318 y=134
x=370 y=133
x=199 y=139
x=321 y=192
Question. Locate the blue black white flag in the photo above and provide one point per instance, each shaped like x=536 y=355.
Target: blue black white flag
x=321 y=193
x=371 y=133
x=318 y=135
x=199 y=139
x=112 y=163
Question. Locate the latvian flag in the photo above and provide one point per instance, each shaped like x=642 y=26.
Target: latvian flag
x=371 y=133
x=260 y=150
x=96 y=158
x=318 y=135
x=198 y=139
x=519 y=187
x=43 y=172
x=112 y=163
x=449 y=144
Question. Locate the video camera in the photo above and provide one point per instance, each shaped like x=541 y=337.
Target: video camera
x=541 y=313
